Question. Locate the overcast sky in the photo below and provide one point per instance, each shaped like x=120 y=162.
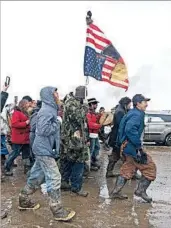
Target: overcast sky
x=42 y=43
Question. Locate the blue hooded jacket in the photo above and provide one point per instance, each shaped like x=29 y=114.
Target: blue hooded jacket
x=131 y=129
x=47 y=126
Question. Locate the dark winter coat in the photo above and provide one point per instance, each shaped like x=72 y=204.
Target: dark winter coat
x=131 y=129
x=118 y=115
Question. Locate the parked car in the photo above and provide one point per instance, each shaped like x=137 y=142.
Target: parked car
x=158 y=127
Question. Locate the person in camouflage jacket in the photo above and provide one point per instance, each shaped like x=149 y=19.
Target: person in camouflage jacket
x=74 y=139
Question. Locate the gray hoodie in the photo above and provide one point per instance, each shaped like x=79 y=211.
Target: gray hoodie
x=47 y=126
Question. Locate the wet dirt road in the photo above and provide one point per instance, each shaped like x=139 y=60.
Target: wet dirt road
x=94 y=212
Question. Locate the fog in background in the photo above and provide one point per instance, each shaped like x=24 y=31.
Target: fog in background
x=42 y=43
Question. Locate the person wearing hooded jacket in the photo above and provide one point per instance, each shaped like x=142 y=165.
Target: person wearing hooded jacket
x=45 y=167
x=121 y=110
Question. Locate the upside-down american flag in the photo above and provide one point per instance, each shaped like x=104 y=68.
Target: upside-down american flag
x=102 y=61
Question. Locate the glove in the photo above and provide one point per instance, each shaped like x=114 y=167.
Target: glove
x=144 y=158
x=141 y=157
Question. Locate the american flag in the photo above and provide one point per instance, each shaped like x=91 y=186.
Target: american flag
x=102 y=61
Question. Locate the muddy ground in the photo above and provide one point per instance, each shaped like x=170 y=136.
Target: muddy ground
x=95 y=212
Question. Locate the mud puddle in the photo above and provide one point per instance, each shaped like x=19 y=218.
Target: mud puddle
x=94 y=211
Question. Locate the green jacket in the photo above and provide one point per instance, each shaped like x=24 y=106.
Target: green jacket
x=74 y=131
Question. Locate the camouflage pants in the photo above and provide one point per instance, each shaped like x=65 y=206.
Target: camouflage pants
x=130 y=166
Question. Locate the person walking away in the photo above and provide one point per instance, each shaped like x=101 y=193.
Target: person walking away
x=123 y=107
x=45 y=167
x=94 y=127
x=129 y=137
x=20 y=137
x=75 y=143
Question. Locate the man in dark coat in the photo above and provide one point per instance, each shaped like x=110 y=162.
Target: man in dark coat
x=121 y=110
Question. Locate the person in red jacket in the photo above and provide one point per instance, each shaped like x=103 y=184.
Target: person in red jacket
x=20 y=128
x=94 y=127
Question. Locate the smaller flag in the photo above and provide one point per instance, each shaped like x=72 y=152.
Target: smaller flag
x=102 y=61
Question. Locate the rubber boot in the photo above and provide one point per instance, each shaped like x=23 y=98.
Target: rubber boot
x=141 y=190
x=94 y=164
x=65 y=186
x=59 y=213
x=111 y=166
x=81 y=193
x=27 y=165
x=25 y=203
x=116 y=193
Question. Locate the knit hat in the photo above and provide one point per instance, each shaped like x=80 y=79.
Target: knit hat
x=81 y=92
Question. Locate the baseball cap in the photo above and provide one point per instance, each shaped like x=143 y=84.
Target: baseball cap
x=138 y=98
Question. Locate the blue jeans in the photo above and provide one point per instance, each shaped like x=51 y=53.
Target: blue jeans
x=45 y=169
x=94 y=148
x=4 y=149
x=73 y=172
x=17 y=148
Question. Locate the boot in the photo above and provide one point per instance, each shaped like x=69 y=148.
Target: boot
x=116 y=193
x=59 y=213
x=141 y=190
x=8 y=173
x=65 y=186
x=27 y=165
x=111 y=166
x=93 y=168
x=111 y=174
x=81 y=193
x=24 y=202
x=94 y=163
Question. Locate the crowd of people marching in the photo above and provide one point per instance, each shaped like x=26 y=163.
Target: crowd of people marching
x=52 y=133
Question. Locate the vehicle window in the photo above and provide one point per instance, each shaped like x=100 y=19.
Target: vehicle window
x=156 y=119
x=166 y=118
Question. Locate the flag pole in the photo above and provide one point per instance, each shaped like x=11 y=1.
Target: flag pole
x=88 y=22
